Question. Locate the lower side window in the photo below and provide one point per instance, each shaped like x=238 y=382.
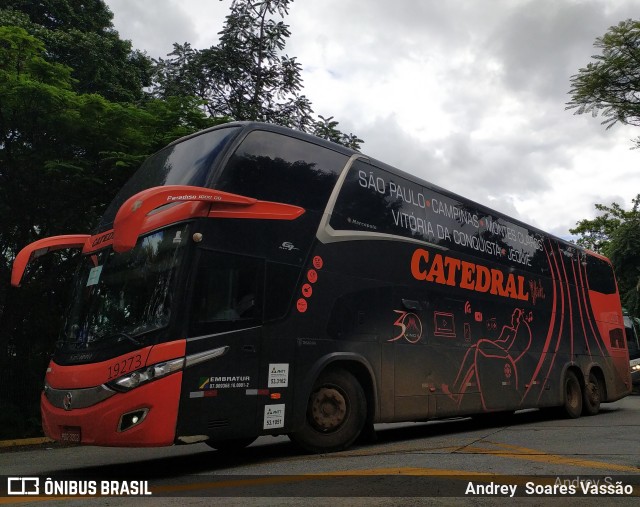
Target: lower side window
x=227 y=293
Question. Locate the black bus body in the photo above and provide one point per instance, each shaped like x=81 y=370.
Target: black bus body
x=252 y=280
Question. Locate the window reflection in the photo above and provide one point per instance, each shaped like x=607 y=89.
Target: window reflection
x=227 y=290
x=129 y=293
x=273 y=167
x=184 y=163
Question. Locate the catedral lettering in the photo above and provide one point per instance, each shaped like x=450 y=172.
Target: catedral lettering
x=397 y=301
x=447 y=270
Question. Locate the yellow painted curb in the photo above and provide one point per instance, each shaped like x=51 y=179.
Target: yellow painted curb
x=25 y=441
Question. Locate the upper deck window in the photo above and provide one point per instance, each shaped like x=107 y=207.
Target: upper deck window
x=184 y=163
x=274 y=167
x=375 y=201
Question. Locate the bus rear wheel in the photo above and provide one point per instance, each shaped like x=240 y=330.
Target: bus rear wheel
x=336 y=413
x=592 y=396
x=572 y=396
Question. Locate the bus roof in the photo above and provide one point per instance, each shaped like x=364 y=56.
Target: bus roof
x=248 y=126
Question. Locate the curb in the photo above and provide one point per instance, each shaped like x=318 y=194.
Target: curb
x=25 y=441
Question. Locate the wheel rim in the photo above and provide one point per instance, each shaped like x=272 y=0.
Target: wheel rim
x=573 y=394
x=593 y=393
x=328 y=409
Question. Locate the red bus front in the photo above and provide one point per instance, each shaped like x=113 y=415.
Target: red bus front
x=94 y=412
x=116 y=374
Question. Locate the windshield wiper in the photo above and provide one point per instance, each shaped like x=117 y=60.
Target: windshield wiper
x=122 y=334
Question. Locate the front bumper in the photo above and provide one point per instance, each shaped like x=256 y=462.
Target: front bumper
x=106 y=423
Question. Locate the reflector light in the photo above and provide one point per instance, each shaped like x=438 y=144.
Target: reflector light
x=131 y=419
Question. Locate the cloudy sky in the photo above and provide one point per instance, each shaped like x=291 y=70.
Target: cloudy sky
x=467 y=94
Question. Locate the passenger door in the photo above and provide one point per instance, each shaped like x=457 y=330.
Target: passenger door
x=218 y=395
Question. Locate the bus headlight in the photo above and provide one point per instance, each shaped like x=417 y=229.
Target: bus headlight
x=144 y=375
x=635 y=367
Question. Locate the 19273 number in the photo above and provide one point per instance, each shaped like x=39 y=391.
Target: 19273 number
x=125 y=366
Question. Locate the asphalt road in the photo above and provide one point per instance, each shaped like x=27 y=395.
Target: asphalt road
x=436 y=463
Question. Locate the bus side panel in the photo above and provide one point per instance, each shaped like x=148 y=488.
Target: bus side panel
x=218 y=398
x=460 y=348
x=611 y=330
x=337 y=320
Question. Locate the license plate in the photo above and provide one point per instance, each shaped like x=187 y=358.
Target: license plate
x=71 y=435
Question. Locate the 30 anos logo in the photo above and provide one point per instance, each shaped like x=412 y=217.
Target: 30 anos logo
x=410 y=327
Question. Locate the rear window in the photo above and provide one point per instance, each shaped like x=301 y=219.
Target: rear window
x=600 y=277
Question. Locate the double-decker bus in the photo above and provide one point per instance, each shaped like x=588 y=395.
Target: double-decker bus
x=252 y=280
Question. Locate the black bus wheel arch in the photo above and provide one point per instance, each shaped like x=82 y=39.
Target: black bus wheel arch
x=336 y=413
x=572 y=395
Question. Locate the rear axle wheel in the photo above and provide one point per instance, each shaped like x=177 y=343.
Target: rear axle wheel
x=572 y=396
x=592 y=396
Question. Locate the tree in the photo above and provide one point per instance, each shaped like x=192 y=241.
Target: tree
x=597 y=234
x=616 y=234
x=246 y=76
x=624 y=252
x=63 y=155
x=83 y=15
x=610 y=86
x=80 y=35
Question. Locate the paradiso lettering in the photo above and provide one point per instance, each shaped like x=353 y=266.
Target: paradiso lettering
x=445 y=270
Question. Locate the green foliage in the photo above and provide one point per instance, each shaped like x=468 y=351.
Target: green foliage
x=80 y=36
x=616 y=234
x=247 y=76
x=83 y=15
x=63 y=156
x=57 y=143
x=326 y=128
x=596 y=234
x=624 y=252
x=74 y=125
x=610 y=86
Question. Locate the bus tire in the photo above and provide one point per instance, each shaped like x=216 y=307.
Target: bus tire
x=234 y=444
x=336 y=413
x=572 y=404
x=592 y=396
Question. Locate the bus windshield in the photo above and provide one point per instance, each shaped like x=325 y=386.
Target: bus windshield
x=122 y=296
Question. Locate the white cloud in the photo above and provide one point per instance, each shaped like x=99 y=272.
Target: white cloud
x=468 y=95
x=154 y=25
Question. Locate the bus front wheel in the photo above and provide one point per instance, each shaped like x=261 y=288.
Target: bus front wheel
x=572 y=396
x=336 y=413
